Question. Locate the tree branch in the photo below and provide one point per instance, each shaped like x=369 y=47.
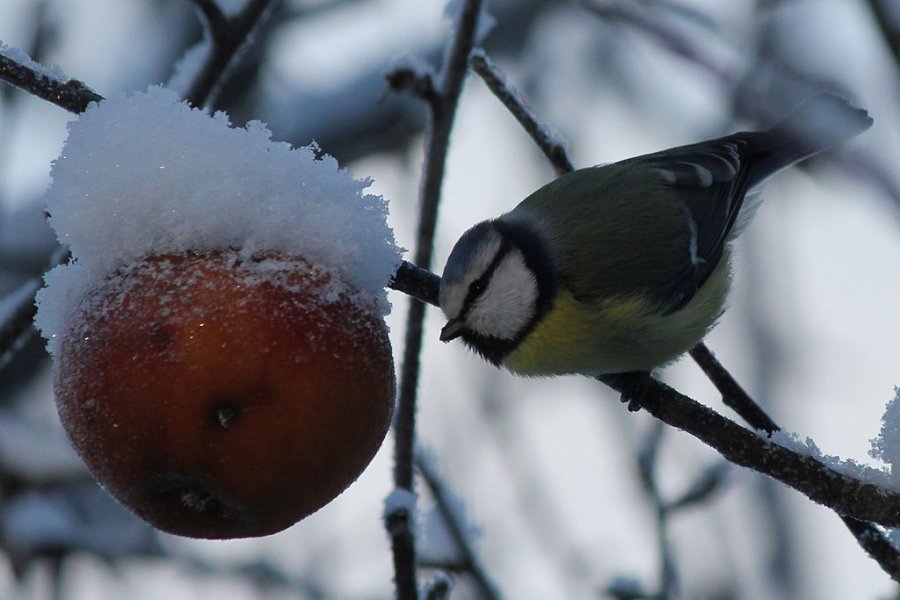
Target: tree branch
x=72 y=95
x=452 y=520
x=733 y=395
x=552 y=147
x=229 y=36
x=442 y=106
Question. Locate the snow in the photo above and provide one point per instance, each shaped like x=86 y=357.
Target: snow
x=886 y=446
x=878 y=476
x=20 y=56
x=146 y=174
x=399 y=499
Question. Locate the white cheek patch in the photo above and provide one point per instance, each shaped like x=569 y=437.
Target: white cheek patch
x=508 y=304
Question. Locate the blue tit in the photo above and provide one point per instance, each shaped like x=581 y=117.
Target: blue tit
x=623 y=267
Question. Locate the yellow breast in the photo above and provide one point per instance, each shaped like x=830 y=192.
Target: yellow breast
x=617 y=335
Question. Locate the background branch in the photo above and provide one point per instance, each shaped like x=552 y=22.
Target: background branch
x=761 y=107
x=229 y=35
x=889 y=26
x=457 y=527
x=550 y=144
x=72 y=95
x=442 y=104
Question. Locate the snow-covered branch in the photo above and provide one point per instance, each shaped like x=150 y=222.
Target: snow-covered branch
x=19 y=70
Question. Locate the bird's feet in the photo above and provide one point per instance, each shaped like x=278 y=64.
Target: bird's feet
x=635 y=386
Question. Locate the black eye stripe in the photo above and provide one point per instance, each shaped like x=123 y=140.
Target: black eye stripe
x=477 y=287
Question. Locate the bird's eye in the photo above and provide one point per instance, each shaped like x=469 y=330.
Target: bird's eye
x=476 y=287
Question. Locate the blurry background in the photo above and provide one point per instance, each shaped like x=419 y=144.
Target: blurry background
x=547 y=470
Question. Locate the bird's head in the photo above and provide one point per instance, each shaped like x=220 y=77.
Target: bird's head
x=497 y=284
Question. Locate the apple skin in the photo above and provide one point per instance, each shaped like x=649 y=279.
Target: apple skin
x=218 y=397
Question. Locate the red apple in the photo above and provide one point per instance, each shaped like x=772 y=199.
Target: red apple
x=218 y=397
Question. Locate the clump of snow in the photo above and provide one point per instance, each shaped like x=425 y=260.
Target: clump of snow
x=886 y=446
x=849 y=467
x=399 y=499
x=146 y=175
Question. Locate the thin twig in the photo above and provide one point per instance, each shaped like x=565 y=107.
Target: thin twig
x=647 y=462
x=72 y=95
x=456 y=528
x=443 y=110
x=552 y=147
x=733 y=395
x=229 y=36
x=416 y=282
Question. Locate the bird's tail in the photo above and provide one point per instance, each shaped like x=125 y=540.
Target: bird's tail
x=819 y=123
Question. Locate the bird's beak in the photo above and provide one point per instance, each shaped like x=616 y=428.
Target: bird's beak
x=452 y=330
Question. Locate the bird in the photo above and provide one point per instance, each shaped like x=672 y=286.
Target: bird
x=624 y=267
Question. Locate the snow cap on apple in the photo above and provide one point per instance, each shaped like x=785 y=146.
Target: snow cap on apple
x=221 y=359
x=146 y=174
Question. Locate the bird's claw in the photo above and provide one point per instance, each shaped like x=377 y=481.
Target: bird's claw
x=635 y=390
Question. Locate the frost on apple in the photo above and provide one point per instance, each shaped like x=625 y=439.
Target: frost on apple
x=146 y=174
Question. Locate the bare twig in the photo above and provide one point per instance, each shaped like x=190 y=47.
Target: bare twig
x=733 y=394
x=416 y=282
x=642 y=17
x=442 y=112
x=452 y=520
x=550 y=145
x=647 y=461
x=229 y=36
